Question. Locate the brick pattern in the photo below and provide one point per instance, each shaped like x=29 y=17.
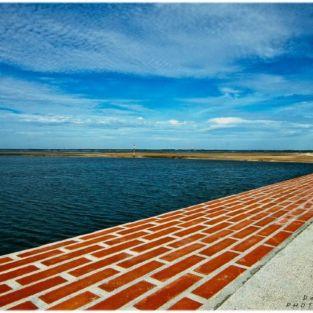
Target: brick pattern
x=175 y=261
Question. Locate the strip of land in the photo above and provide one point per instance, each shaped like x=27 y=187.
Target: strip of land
x=300 y=157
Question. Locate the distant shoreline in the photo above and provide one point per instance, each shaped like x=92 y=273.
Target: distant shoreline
x=270 y=156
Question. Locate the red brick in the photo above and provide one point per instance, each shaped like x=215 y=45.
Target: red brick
x=82 y=270
x=153 y=244
x=241 y=225
x=185 y=241
x=291 y=207
x=123 y=297
x=170 y=214
x=214 y=209
x=292 y=227
x=131 y=275
x=234 y=213
x=5 y=260
x=18 y=272
x=192 y=217
x=168 y=292
x=247 y=243
x=216 y=220
x=258 y=216
x=100 y=233
x=297 y=212
x=117 y=248
x=239 y=217
x=221 y=245
x=233 y=205
x=201 y=209
x=185 y=304
x=245 y=232
x=194 y=207
x=213 y=204
x=189 y=230
x=265 y=221
x=284 y=220
x=193 y=222
x=51 y=271
x=4 y=288
x=269 y=208
x=305 y=217
x=45 y=248
x=181 y=252
x=76 y=302
x=28 y=306
x=30 y=290
x=252 y=212
x=123 y=239
x=89 y=242
x=217 y=227
x=141 y=222
x=253 y=208
x=162 y=226
x=171 y=218
x=162 y=233
x=215 y=263
x=216 y=214
x=218 y=282
x=273 y=210
x=255 y=255
x=70 y=288
x=279 y=213
x=268 y=230
x=135 y=229
x=143 y=257
x=278 y=238
x=37 y=257
x=177 y=268
x=216 y=236
x=67 y=256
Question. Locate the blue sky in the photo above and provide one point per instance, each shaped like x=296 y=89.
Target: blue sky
x=203 y=76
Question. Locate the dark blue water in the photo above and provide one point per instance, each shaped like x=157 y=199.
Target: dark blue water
x=47 y=199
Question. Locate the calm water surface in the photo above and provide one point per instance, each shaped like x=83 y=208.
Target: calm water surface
x=47 y=199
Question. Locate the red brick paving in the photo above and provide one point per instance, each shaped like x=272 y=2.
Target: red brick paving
x=185 y=304
x=25 y=306
x=177 y=261
x=218 y=282
x=76 y=302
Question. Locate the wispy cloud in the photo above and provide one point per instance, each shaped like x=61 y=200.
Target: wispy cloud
x=272 y=85
x=195 y=40
x=249 y=125
x=24 y=94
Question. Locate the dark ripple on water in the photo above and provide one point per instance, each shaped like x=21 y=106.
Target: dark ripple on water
x=47 y=199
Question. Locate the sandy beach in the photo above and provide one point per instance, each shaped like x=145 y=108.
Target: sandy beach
x=300 y=157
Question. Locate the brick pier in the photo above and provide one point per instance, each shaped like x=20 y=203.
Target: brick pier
x=185 y=259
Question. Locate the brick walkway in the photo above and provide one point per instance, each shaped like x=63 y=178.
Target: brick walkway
x=179 y=260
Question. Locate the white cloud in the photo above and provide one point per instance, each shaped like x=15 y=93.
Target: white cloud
x=174 y=40
x=273 y=85
x=44 y=98
x=176 y=123
x=249 y=125
x=227 y=120
x=22 y=94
